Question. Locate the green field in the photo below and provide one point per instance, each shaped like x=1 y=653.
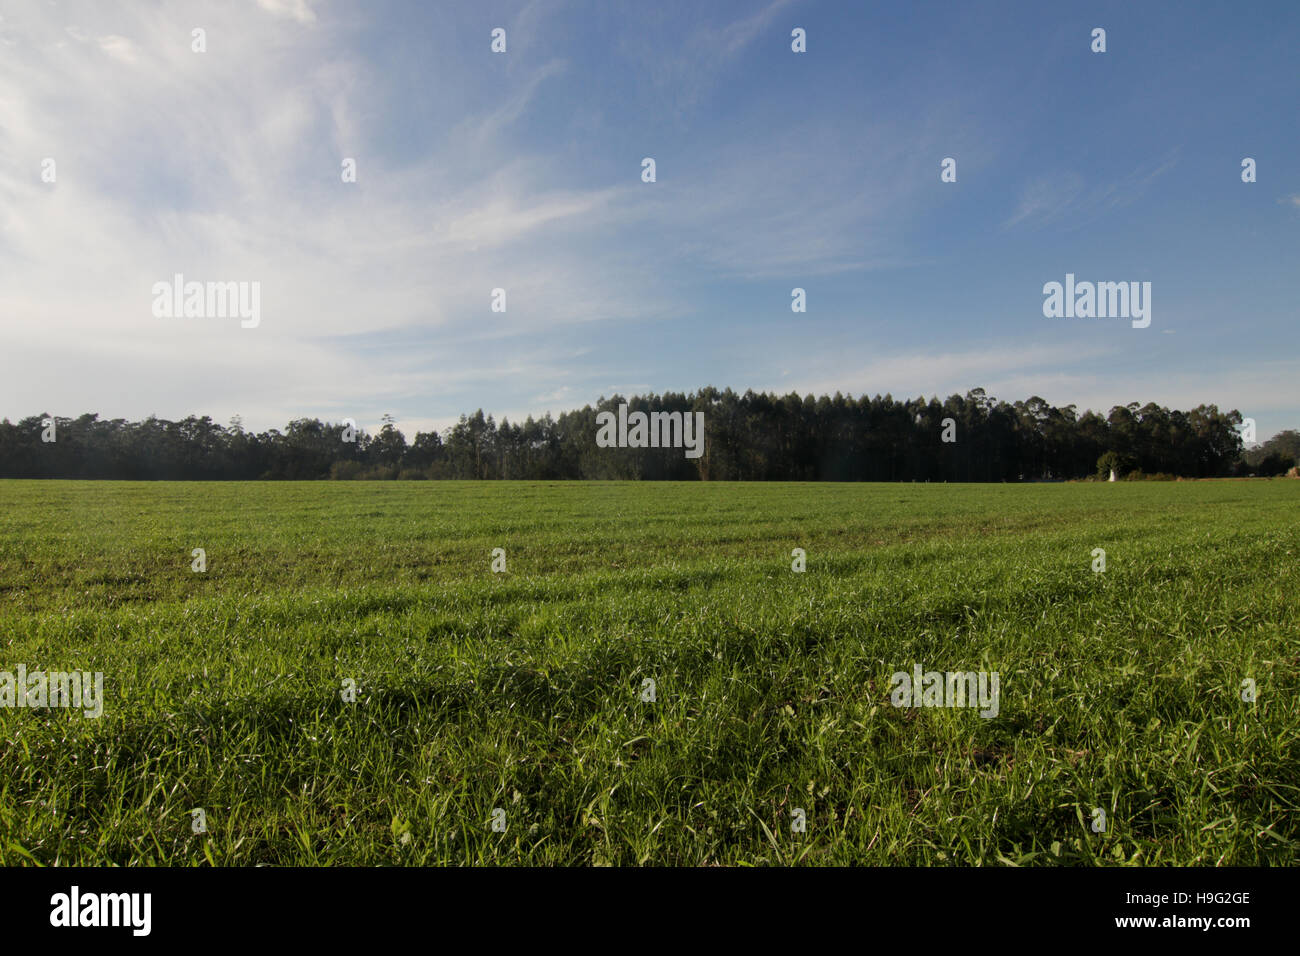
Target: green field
x=522 y=691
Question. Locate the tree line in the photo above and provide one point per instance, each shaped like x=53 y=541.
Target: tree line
x=755 y=436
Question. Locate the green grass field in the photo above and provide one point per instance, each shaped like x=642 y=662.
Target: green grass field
x=522 y=691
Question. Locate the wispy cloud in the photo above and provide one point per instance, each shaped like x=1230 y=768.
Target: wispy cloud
x=1047 y=199
x=927 y=373
x=231 y=171
x=1065 y=196
x=684 y=61
x=734 y=37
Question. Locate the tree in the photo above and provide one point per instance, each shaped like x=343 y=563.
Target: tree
x=389 y=446
x=752 y=436
x=1113 y=463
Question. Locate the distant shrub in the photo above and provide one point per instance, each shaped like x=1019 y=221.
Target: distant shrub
x=346 y=470
x=1138 y=474
x=1294 y=472
x=1273 y=464
x=412 y=474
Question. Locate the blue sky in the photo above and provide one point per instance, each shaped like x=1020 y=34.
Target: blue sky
x=522 y=171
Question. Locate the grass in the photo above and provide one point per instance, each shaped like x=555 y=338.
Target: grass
x=522 y=691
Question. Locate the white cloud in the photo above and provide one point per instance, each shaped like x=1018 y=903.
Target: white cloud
x=120 y=48
x=229 y=170
x=289 y=9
